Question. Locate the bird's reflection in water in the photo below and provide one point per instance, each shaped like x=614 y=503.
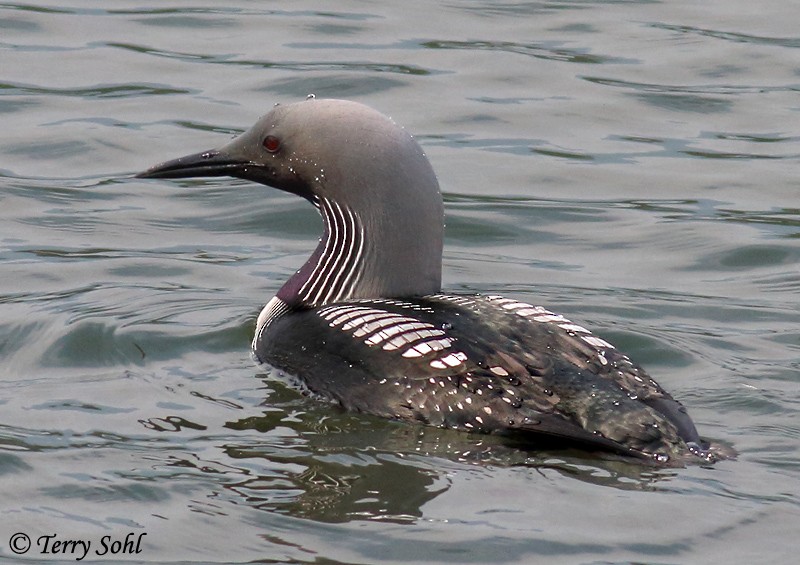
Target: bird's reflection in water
x=318 y=463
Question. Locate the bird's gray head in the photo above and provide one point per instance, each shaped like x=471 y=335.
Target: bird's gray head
x=373 y=185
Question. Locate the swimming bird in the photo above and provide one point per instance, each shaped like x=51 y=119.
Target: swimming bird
x=365 y=322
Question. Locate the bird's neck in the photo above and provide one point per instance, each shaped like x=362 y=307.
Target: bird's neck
x=378 y=256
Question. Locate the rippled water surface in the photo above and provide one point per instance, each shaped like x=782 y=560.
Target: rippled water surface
x=633 y=165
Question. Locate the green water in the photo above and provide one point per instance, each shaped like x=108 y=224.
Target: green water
x=632 y=165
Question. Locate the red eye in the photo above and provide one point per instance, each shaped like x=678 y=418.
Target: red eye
x=271 y=143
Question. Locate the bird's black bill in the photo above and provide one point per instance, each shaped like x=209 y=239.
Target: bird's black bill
x=206 y=164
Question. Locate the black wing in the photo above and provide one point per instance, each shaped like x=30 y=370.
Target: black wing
x=480 y=364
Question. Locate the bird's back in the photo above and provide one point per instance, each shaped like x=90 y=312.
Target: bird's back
x=478 y=363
